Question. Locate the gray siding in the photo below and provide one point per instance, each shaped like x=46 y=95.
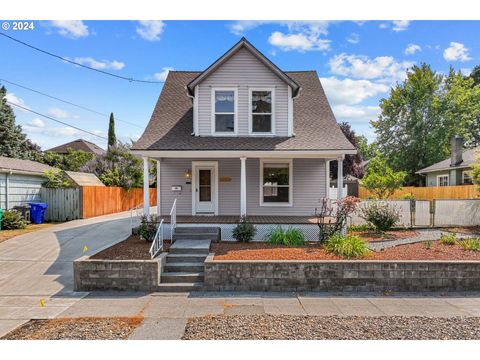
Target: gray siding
x=21 y=189
x=455 y=177
x=309 y=186
x=242 y=71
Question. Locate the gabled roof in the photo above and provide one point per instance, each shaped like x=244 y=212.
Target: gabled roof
x=171 y=124
x=243 y=43
x=22 y=166
x=469 y=157
x=79 y=144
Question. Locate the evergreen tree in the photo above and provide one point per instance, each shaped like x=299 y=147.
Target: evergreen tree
x=13 y=142
x=475 y=75
x=112 y=139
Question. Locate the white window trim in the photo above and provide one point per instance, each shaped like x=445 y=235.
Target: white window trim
x=441 y=176
x=290 y=181
x=469 y=174
x=250 y=115
x=195 y=111
x=235 y=109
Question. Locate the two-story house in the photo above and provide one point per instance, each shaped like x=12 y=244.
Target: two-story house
x=242 y=137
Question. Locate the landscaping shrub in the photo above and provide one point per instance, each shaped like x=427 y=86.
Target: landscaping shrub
x=364 y=227
x=472 y=244
x=427 y=244
x=148 y=227
x=289 y=237
x=407 y=196
x=346 y=246
x=332 y=215
x=380 y=214
x=244 y=231
x=55 y=179
x=12 y=219
x=448 y=239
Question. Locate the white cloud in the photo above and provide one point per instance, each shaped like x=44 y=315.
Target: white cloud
x=162 y=76
x=358 y=113
x=100 y=64
x=349 y=91
x=71 y=28
x=39 y=123
x=385 y=68
x=456 y=52
x=150 y=30
x=300 y=42
x=58 y=113
x=412 y=49
x=14 y=99
x=383 y=26
x=354 y=38
x=400 y=25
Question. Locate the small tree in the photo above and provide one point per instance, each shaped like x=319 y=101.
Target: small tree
x=380 y=179
x=332 y=215
x=112 y=138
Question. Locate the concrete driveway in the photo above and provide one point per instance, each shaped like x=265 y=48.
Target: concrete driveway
x=37 y=267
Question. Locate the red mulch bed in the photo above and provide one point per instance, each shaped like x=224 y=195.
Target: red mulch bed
x=465 y=230
x=132 y=248
x=314 y=251
x=386 y=236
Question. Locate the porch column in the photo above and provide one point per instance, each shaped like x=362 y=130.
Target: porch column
x=159 y=194
x=146 y=191
x=340 y=178
x=243 y=187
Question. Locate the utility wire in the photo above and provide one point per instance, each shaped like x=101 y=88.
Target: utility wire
x=67 y=102
x=78 y=64
x=53 y=119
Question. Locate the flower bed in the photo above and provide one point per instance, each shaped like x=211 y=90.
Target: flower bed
x=132 y=248
x=385 y=236
x=314 y=251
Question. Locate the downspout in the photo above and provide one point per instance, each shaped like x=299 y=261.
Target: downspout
x=193 y=102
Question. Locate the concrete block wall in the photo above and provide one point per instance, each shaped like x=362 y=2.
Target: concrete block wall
x=341 y=275
x=123 y=275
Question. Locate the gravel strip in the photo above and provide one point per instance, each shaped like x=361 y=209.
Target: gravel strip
x=76 y=329
x=287 y=327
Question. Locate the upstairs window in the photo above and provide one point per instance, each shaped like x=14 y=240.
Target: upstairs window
x=224 y=111
x=261 y=116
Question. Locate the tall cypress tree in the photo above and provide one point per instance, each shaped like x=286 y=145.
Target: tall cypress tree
x=13 y=142
x=112 y=139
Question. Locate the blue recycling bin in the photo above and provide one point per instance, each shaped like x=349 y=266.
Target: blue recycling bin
x=37 y=212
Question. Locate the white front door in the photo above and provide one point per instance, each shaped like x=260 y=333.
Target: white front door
x=205 y=188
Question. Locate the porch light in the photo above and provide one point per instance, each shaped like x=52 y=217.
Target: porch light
x=188 y=175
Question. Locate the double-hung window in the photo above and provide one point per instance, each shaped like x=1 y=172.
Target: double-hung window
x=224 y=111
x=262 y=111
x=467 y=178
x=275 y=182
x=442 y=180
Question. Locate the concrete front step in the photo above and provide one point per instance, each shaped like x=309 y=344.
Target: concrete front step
x=190 y=247
x=197 y=230
x=195 y=236
x=181 y=277
x=183 y=267
x=180 y=287
x=186 y=258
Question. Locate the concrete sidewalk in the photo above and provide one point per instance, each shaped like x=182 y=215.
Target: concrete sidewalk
x=39 y=266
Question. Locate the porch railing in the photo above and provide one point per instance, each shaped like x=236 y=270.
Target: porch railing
x=157 y=244
x=173 y=220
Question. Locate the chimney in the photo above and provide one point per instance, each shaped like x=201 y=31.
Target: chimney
x=457 y=148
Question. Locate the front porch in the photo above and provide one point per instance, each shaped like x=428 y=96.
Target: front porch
x=231 y=219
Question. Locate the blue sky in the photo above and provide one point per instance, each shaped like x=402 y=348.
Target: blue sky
x=356 y=61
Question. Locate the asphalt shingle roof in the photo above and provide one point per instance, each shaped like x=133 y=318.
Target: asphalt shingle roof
x=171 y=124
x=468 y=156
x=34 y=167
x=79 y=144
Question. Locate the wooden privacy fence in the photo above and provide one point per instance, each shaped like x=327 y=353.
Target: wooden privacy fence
x=63 y=204
x=90 y=201
x=103 y=200
x=431 y=192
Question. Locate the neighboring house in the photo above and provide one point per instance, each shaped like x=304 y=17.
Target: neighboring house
x=79 y=144
x=453 y=171
x=79 y=179
x=242 y=138
x=20 y=181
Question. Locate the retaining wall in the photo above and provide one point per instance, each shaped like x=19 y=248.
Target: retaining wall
x=124 y=275
x=366 y=275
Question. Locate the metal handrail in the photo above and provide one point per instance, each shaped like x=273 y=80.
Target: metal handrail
x=157 y=244
x=136 y=209
x=173 y=220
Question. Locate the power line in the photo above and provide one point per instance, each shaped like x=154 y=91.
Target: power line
x=78 y=64
x=53 y=119
x=68 y=102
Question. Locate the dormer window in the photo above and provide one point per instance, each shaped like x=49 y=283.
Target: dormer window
x=224 y=104
x=261 y=112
